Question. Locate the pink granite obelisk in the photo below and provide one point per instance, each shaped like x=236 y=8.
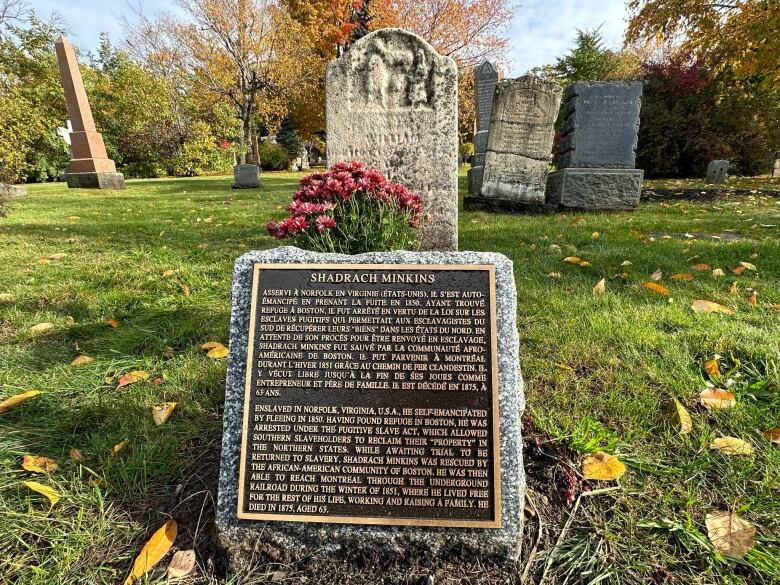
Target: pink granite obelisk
x=90 y=167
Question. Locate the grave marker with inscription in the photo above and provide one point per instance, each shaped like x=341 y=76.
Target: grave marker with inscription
x=392 y=103
x=372 y=400
x=519 y=145
x=598 y=147
x=717 y=171
x=485 y=79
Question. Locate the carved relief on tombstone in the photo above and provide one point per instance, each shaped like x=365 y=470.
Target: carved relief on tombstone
x=485 y=79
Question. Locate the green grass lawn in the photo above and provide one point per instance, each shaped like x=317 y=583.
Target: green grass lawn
x=600 y=373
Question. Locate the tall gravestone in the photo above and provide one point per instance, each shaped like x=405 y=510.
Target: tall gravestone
x=391 y=102
x=485 y=79
x=519 y=145
x=598 y=147
x=717 y=171
x=89 y=166
x=372 y=403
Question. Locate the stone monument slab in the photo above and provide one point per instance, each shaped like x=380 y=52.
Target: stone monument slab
x=485 y=79
x=372 y=401
x=776 y=166
x=519 y=145
x=717 y=171
x=246 y=176
x=391 y=102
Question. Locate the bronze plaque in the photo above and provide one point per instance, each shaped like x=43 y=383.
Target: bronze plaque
x=372 y=396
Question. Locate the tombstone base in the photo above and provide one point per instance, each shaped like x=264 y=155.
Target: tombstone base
x=246 y=176
x=499 y=205
x=597 y=189
x=99 y=180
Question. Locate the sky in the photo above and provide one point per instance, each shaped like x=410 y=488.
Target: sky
x=540 y=31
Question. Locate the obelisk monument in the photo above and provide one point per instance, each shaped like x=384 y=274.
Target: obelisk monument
x=90 y=167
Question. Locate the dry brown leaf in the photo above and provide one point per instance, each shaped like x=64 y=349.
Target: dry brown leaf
x=626 y=263
x=682 y=276
x=75 y=454
x=217 y=353
x=703 y=306
x=595 y=235
x=752 y=299
x=583 y=263
x=657 y=275
x=738 y=270
x=42 y=328
x=44 y=261
x=45 y=490
x=733 y=288
x=38 y=464
x=577 y=221
x=772 y=435
x=657 y=288
x=600 y=288
x=170 y=272
x=732 y=446
x=602 y=466
x=211 y=345
x=572 y=259
x=132 y=378
x=119 y=447
x=729 y=533
x=161 y=413
x=686 y=422
x=113 y=323
x=717 y=273
x=712 y=368
x=153 y=551
x=701 y=267
x=554 y=275
x=70 y=320
x=82 y=360
x=185 y=289
x=7 y=298
x=17 y=399
x=57 y=256
x=717 y=399
x=182 y=564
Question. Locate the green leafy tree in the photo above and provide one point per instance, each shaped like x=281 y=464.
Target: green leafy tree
x=289 y=139
x=588 y=60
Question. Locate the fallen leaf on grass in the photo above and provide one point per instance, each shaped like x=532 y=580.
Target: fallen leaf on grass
x=733 y=288
x=729 y=533
x=132 y=378
x=703 y=306
x=181 y=564
x=45 y=490
x=772 y=435
x=38 y=464
x=602 y=466
x=75 y=454
x=211 y=345
x=17 y=399
x=219 y=352
x=682 y=276
x=161 y=413
x=738 y=270
x=657 y=288
x=113 y=323
x=600 y=288
x=626 y=263
x=583 y=263
x=42 y=328
x=732 y=446
x=554 y=275
x=7 y=298
x=57 y=256
x=717 y=273
x=701 y=267
x=82 y=360
x=185 y=289
x=572 y=259
x=170 y=272
x=153 y=551
x=753 y=297
x=657 y=275
x=119 y=447
x=748 y=266
x=712 y=368
x=595 y=235
x=686 y=422
x=44 y=261
x=717 y=399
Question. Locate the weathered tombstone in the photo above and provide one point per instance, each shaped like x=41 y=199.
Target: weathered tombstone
x=372 y=402
x=598 y=147
x=304 y=159
x=391 y=102
x=776 y=166
x=90 y=167
x=246 y=176
x=717 y=171
x=9 y=191
x=519 y=146
x=485 y=79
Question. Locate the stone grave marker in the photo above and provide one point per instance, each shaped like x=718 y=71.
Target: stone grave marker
x=372 y=401
x=598 y=147
x=246 y=176
x=717 y=171
x=519 y=146
x=391 y=102
x=90 y=167
x=485 y=79
x=776 y=166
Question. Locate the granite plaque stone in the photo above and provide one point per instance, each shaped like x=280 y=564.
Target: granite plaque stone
x=717 y=171
x=485 y=79
x=391 y=102
x=372 y=401
x=246 y=176
x=519 y=145
x=598 y=147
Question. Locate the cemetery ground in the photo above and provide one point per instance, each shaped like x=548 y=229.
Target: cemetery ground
x=138 y=280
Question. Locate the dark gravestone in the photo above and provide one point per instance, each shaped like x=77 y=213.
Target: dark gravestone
x=598 y=147
x=717 y=171
x=372 y=401
x=485 y=79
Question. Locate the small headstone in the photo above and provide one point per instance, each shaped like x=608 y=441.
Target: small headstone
x=485 y=79
x=391 y=102
x=304 y=159
x=246 y=176
x=598 y=147
x=519 y=145
x=717 y=171
x=373 y=402
x=8 y=191
x=776 y=166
